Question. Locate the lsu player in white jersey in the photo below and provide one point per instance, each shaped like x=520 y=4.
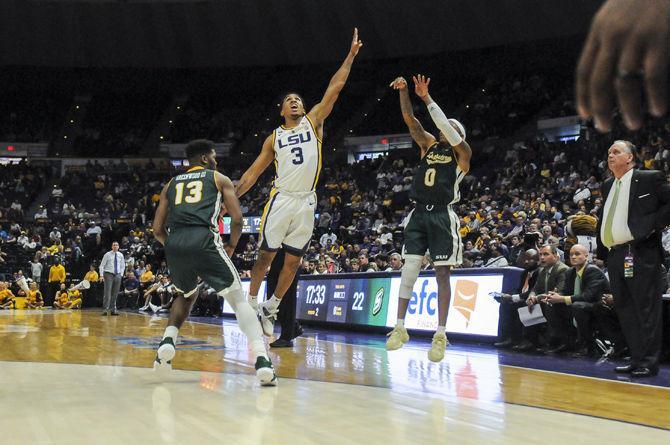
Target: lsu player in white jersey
x=288 y=217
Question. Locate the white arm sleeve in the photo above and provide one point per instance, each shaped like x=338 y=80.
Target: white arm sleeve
x=443 y=124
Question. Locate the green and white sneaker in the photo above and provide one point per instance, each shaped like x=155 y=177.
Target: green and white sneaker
x=396 y=338
x=265 y=373
x=164 y=355
x=436 y=352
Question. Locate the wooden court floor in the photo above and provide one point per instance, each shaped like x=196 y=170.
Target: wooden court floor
x=76 y=377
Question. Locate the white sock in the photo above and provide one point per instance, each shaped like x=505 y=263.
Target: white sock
x=253 y=298
x=400 y=323
x=258 y=348
x=172 y=332
x=441 y=330
x=273 y=303
x=248 y=322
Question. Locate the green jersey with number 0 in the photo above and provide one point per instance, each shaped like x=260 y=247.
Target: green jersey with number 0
x=437 y=178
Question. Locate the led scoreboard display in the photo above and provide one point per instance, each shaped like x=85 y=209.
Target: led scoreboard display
x=372 y=300
x=361 y=301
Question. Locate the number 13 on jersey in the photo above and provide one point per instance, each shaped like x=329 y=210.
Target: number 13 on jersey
x=194 y=192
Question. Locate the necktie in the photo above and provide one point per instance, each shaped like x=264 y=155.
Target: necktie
x=608 y=237
x=578 y=285
x=525 y=283
x=116 y=266
x=546 y=279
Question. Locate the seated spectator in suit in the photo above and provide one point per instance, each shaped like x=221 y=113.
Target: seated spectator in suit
x=509 y=326
x=6 y=296
x=551 y=277
x=585 y=285
x=34 y=298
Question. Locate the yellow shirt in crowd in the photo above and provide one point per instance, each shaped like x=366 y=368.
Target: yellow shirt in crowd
x=57 y=273
x=62 y=298
x=92 y=276
x=34 y=296
x=146 y=276
x=6 y=295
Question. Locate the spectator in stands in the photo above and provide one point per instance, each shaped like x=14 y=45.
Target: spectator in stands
x=131 y=288
x=147 y=278
x=92 y=275
x=36 y=270
x=395 y=261
x=585 y=284
x=496 y=258
x=41 y=213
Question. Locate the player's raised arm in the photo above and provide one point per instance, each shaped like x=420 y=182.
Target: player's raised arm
x=160 y=218
x=250 y=176
x=323 y=109
x=449 y=129
x=420 y=136
x=225 y=185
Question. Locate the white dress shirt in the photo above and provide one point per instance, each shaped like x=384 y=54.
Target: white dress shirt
x=620 y=231
x=107 y=263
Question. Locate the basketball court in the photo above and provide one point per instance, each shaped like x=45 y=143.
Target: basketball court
x=74 y=377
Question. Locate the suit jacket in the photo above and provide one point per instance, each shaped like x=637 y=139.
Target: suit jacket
x=648 y=207
x=554 y=280
x=531 y=282
x=594 y=284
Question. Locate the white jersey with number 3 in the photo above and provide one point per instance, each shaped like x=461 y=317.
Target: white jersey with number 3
x=297 y=157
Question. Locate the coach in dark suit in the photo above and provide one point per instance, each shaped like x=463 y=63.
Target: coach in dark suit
x=551 y=277
x=585 y=285
x=636 y=209
x=509 y=325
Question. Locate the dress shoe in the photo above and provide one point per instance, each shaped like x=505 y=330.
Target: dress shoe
x=581 y=352
x=619 y=353
x=503 y=344
x=624 y=369
x=523 y=346
x=557 y=349
x=281 y=343
x=643 y=372
x=104 y=313
x=114 y=313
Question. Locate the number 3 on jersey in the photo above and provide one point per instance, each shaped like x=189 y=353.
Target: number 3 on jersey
x=429 y=178
x=194 y=192
x=299 y=159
